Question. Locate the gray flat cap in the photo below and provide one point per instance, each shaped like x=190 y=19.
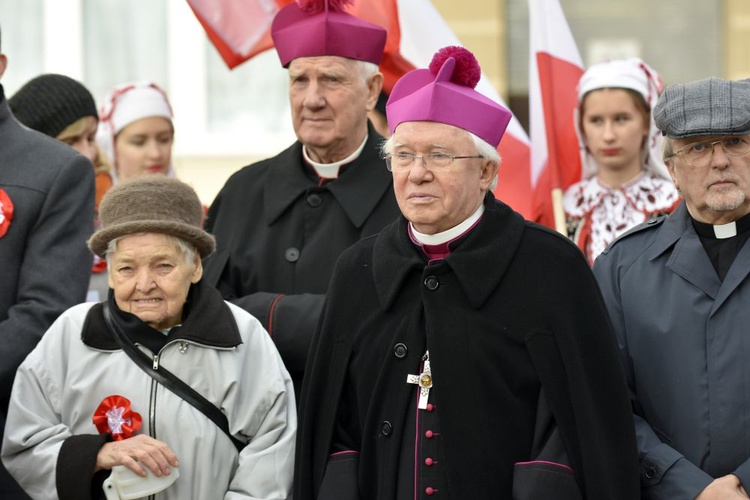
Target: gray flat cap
x=704 y=107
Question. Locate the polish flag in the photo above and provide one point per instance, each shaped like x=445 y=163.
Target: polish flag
x=555 y=68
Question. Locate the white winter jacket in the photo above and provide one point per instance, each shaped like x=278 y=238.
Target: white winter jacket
x=50 y=439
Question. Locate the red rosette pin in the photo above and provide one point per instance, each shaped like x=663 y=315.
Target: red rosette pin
x=114 y=416
x=6 y=212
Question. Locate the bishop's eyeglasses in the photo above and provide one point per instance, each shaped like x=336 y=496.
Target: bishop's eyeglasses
x=699 y=154
x=401 y=162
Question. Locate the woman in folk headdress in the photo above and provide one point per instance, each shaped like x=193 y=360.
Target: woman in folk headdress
x=625 y=181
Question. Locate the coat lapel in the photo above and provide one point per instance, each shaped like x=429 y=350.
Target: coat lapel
x=485 y=256
x=688 y=259
x=286 y=182
x=737 y=274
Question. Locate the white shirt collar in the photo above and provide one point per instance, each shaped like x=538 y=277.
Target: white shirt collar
x=724 y=231
x=331 y=170
x=450 y=234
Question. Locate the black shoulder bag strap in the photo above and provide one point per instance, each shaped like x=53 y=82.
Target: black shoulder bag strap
x=169 y=379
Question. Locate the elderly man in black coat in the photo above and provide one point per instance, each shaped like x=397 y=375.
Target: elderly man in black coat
x=280 y=224
x=463 y=352
x=46 y=215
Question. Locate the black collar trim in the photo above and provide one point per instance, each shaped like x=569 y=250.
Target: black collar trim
x=710 y=231
x=208 y=322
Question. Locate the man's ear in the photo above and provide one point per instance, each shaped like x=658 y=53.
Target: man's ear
x=374 y=86
x=3 y=64
x=670 y=168
x=488 y=175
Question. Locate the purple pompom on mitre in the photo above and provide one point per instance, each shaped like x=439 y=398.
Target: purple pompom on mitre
x=316 y=6
x=467 y=71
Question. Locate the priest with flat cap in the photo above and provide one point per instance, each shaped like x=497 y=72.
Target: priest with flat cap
x=678 y=291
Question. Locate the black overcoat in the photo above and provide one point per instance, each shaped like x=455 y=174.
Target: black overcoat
x=279 y=232
x=512 y=310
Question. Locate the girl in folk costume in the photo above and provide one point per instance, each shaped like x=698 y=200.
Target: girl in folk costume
x=624 y=180
x=136 y=130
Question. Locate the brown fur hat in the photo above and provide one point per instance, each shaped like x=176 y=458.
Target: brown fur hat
x=152 y=204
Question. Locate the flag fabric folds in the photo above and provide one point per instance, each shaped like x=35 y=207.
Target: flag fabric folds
x=239 y=29
x=555 y=67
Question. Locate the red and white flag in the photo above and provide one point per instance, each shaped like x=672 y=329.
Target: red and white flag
x=554 y=70
x=239 y=29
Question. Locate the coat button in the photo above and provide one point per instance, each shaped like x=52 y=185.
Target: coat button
x=431 y=283
x=386 y=428
x=429 y=491
x=428 y=461
x=400 y=350
x=291 y=254
x=650 y=473
x=314 y=200
x=428 y=434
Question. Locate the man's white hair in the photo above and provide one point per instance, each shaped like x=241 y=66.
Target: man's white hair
x=365 y=69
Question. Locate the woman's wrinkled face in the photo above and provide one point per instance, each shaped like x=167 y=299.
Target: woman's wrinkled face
x=151 y=276
x=144 y=147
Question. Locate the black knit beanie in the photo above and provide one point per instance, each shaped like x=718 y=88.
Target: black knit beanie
x=49 y=103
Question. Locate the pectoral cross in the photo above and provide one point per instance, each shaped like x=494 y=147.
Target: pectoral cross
x=423 y=380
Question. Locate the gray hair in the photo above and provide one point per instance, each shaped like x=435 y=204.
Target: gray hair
x=366 y=70
x=188 y=250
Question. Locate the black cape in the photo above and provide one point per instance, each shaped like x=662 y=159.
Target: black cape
x=516 y=316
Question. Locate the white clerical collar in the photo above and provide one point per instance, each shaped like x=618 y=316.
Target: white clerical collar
x=450 y=234
x=724 y=231
x=331 y=170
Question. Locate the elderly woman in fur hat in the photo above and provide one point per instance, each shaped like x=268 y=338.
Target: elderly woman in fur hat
x=85 y=403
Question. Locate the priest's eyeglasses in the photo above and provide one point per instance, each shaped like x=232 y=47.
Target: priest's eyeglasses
x=699 y=154
x=401 y=162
